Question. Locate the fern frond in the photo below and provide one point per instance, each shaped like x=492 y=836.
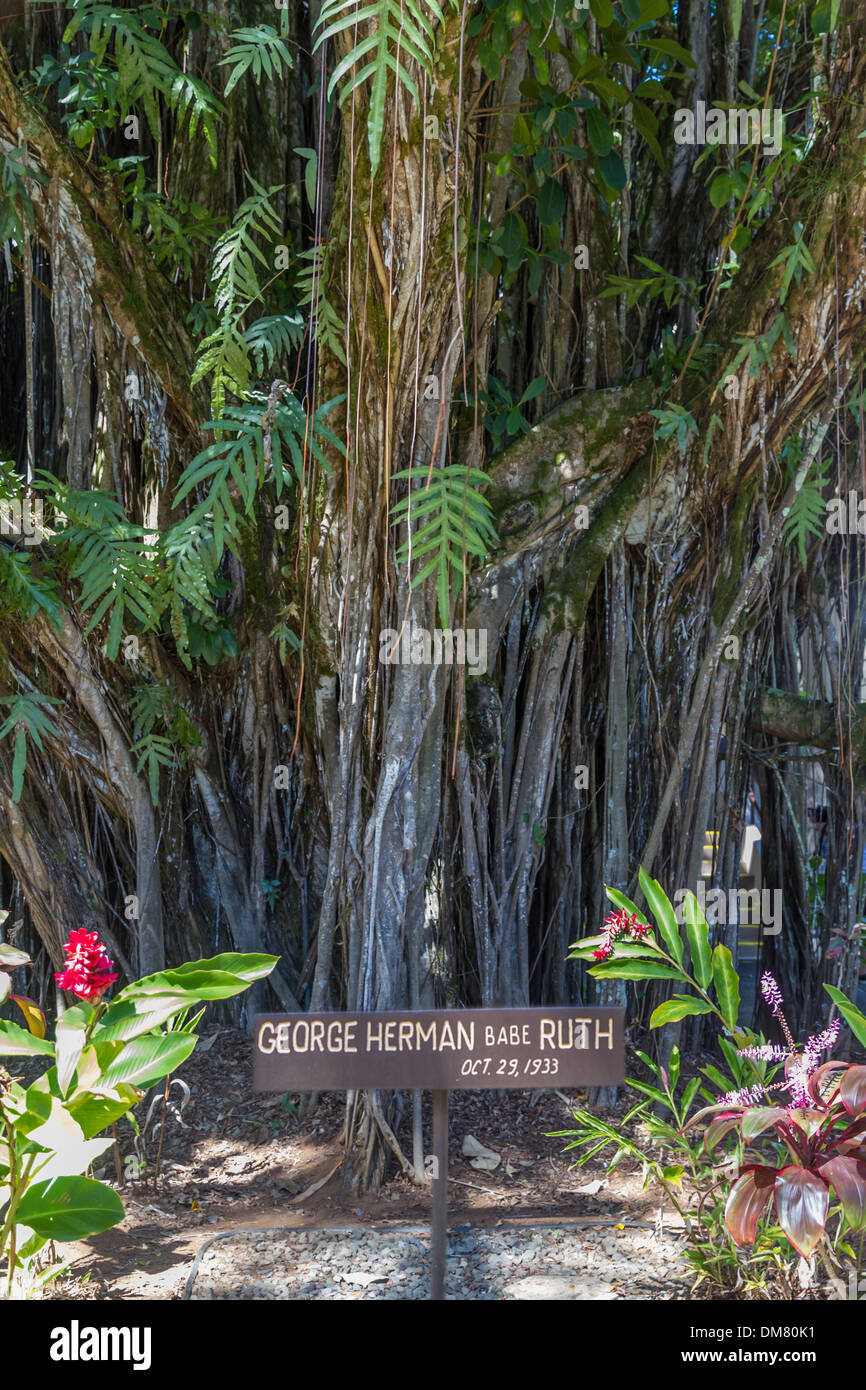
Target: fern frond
x=808 y=513
x=112 y=558
x=401 y=30
x=326 y=326
x=146 y=70
x=25 y=590
x=272 y=337
x=225 y=355
x=460 y=524
x=261 y=51
x=154 y=751
x=26 y=719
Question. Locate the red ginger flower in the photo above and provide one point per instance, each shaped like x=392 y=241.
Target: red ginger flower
x=619 y=923
x=88 y=970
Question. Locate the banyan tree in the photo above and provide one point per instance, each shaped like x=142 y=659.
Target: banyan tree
x=345 y=340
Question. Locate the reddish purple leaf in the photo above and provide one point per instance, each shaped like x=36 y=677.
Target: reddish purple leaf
x=760 y=1117
x=746 y=1200
x=852 y=1091
x=818 y=1078
x=802 y=1203
x=809 y=1121
x=848 y=1178
x=718 y=1129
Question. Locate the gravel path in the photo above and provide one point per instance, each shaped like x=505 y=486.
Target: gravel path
x=566 y=1261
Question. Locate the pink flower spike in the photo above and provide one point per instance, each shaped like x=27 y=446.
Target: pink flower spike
x=771 y=992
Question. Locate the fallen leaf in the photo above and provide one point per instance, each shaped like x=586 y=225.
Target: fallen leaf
x=480 y=1157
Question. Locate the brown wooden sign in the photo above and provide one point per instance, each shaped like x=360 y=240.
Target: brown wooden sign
x=439 y=1050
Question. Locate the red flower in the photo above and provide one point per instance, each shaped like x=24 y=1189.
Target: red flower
x=88 y=970
x=619 y=923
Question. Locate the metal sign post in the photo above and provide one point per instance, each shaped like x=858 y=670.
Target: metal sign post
x=439 y=1213
x=439 y=1050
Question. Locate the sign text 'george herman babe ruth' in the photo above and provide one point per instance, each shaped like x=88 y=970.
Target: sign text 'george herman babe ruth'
x=439 y=1049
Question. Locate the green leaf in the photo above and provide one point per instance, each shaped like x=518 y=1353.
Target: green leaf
x=722 y=189
x=853 y=1017
x=218 y=977
x=612 y=171
x=16 y=1042
x=599 y=131
x=634 y=970
x=675 y=1009
x=550 y=202
x=698 y=935
x=95 y=1113
x=672 y=49
x=727 y=983
x=621 y=901
x=145 y=1060
x=70 y=1036
x=602 y=12
x=653 y=9
x=69 y=1208
x=660 y=906
x=129 y=1018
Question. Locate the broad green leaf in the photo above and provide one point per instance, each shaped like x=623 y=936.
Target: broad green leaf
x=675 y=1009
x=70 y=1035
x=661 y=909
x=853 y=1017
x=15 y=1042
x=727 y=983
x=550 y=203
x=672 y=49
x=620 y=900
x=634 y=970
x=599 y=131
x=653 y=9
x=602 y=12
x=96 y=1113
x=698 y=936
x=612 y=171
x=722 y=189
x=145 y=1060
x=128 y=1018
x=216 y=978
x=69 y=1208
x=69 y=1153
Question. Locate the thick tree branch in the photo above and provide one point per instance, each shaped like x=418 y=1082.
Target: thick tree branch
x=112 y=261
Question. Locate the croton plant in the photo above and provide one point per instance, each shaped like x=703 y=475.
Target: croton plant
x=820 y=1121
